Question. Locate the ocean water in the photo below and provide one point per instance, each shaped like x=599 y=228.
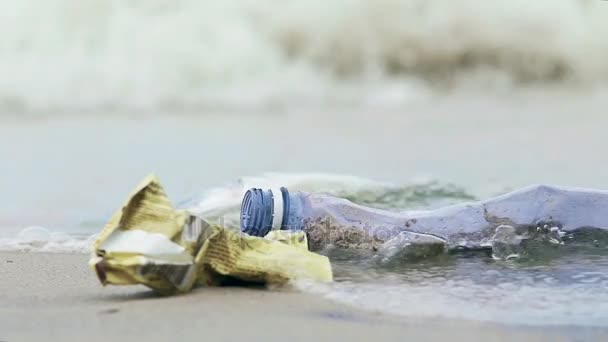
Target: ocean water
x=394 y=104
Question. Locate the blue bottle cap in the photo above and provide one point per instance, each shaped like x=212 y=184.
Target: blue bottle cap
x=257 y=211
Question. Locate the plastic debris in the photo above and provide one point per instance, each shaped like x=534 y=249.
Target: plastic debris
x=150 y=242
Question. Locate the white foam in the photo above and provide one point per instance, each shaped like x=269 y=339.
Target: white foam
x=102 y=55
x=229 y=196
x=40 y=239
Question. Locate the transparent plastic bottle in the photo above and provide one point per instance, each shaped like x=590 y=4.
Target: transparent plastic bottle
x=536 y=212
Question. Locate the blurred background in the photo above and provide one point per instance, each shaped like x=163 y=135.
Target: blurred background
x=487 y=95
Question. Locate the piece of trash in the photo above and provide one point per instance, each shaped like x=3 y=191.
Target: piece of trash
x=149 y=242
x=510 y=225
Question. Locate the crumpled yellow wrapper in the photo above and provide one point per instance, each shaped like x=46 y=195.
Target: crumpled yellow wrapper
x=149 y=242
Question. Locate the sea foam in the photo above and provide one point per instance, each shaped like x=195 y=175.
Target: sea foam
x=63 y=56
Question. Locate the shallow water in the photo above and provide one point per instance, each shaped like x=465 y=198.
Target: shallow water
x=548 y=285
x=569 y=287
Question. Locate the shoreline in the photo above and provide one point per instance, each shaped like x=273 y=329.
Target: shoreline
x=57 y=297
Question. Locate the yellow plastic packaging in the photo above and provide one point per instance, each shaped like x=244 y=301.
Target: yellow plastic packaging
x=149 y=242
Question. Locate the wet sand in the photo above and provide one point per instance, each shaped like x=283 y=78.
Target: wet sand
x=56 y=297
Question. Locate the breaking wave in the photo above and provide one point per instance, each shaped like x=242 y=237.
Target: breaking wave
x=165 y=55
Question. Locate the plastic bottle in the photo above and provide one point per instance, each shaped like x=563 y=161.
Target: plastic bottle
x=538 y=212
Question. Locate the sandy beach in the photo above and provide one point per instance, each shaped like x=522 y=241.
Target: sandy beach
x=56 y=297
